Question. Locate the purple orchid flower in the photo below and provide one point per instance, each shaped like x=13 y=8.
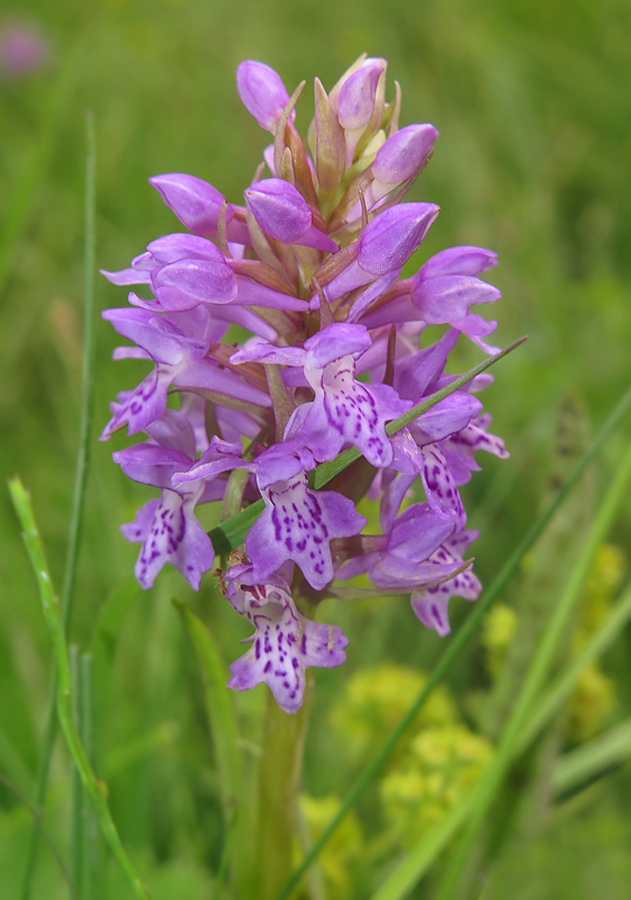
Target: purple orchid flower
x=283 y=214
x=180 y=362
x=199 y=206
x=336 y=346
x=402 y=559
x=344 y=409
x=167 y=528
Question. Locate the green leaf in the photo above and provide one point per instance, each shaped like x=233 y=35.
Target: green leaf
x=220 y=709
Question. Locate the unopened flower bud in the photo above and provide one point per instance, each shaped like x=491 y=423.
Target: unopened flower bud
x=393 y=236
x=404 y=154
x=459 y=261
x=195 y=202
x=284 y=214
x=356 y=99
x=262 y=93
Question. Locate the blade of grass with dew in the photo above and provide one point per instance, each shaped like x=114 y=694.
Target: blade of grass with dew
x=593 y=759
x=534 y=680
x=450 y=654
x=81 y=473
x=96 y=789
x=231 y=533
x=422 y=855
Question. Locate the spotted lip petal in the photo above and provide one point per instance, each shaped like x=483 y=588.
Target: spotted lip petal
x=430 y=604
x=169 y=532
x=344 y=409
x=285 y=643
x=298 y=524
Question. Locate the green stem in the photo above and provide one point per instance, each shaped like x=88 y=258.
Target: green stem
x=78 y=800
x=281 y=766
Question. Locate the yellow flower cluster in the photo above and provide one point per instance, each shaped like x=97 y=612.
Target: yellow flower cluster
x=441 y=765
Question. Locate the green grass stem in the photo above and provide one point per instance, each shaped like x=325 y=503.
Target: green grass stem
x=81 y=473
x=95 y=788
x=593 y=759
x=82 y=850
x=558 y=692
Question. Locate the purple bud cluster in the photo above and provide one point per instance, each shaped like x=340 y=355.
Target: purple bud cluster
x=311 y=267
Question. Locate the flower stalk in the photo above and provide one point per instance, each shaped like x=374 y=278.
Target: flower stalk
x=279 y=783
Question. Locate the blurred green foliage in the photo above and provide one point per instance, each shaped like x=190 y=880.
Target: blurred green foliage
x=533 y=106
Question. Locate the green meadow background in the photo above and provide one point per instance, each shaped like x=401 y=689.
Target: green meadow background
x=533 y=104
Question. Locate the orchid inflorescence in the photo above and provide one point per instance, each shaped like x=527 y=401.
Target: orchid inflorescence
x=311 y=268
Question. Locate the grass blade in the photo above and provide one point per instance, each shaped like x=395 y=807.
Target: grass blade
x=562 y=687
x=535 y=678
x=40 y=825
x=453 y=649
x=325 y=472
x=81 y=472
x=220 y=709
x=86 y=411
x=593 y=759
x=95 y=788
